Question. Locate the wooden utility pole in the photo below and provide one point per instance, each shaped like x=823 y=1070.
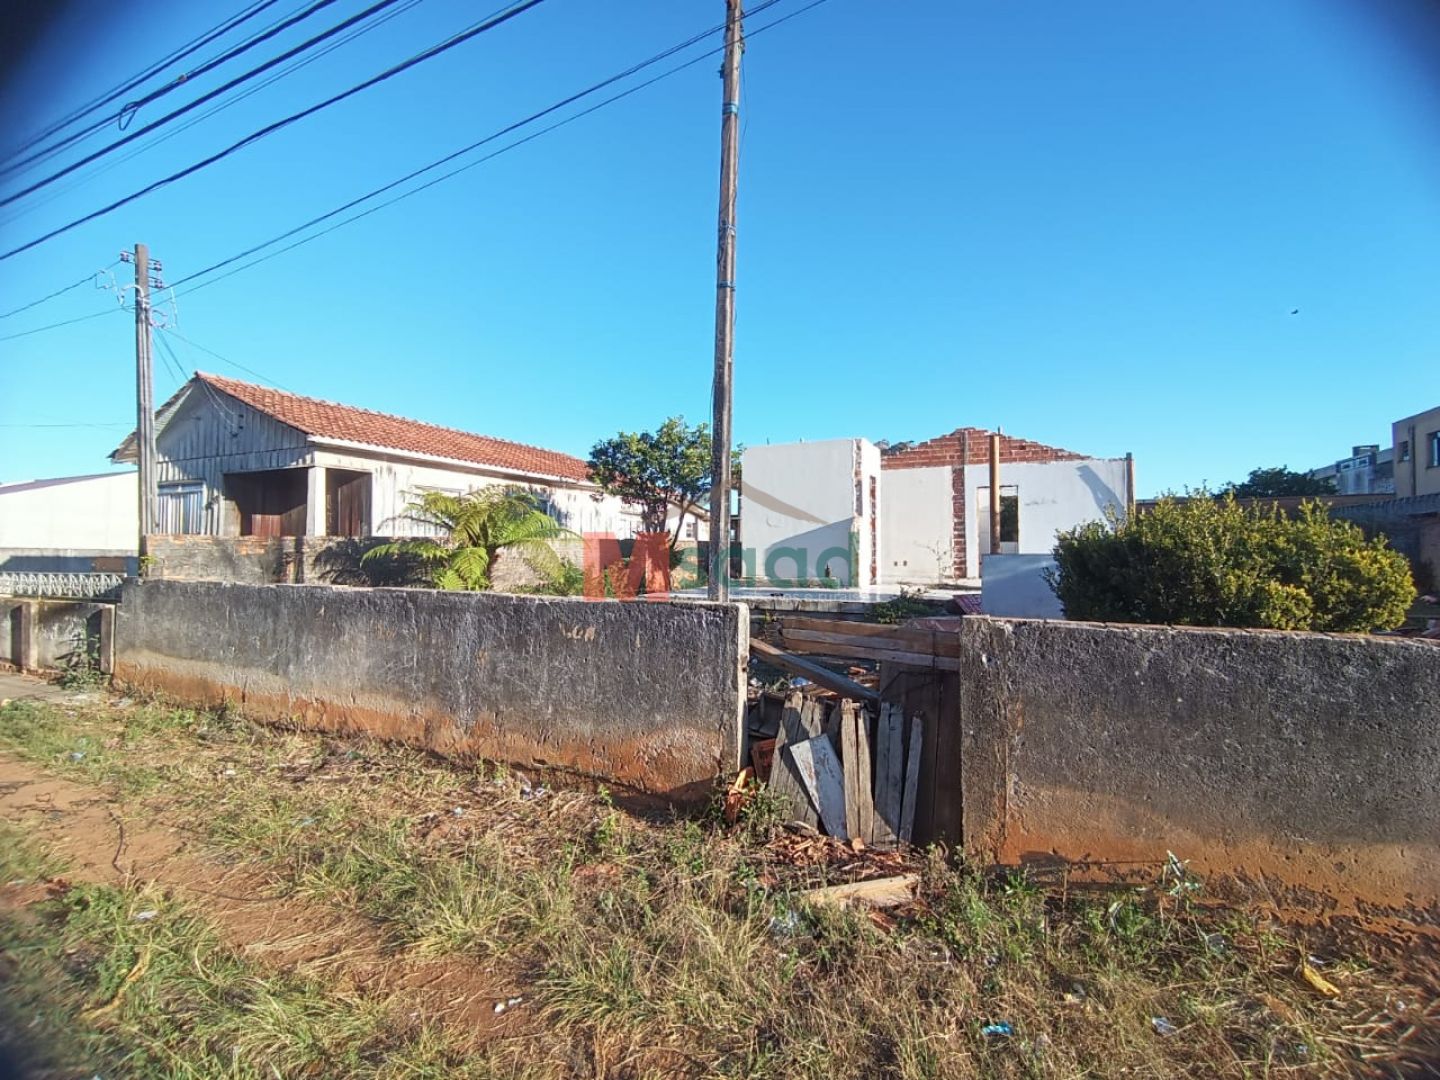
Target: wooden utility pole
x=144 y=399
x=725 y=310
x=995 y=494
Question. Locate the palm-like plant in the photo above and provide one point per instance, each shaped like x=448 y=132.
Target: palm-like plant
x=477 y=526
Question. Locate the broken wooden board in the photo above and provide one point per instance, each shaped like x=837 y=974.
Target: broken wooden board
x=855 y=761
x=784 y=780
x=878 y=892
x=889 y=775
x=912 y=779
x=819 y=675
x=821 y=775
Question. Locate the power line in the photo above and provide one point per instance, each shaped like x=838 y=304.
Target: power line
x=86 y=280
x=359 y=31
x=170 y=332
x=57 y=325
x=488 y=157
x=269 y=129
x=197 y=102
x=125 y=87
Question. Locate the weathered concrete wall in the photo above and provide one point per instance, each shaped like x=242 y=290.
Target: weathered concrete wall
x=52 y=635
x=648 y=695
x=253 y=560
x=1301 y=766
x=68 y=561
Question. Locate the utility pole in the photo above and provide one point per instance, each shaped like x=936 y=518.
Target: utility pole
x=144 y=399
x=725 y=310
x=995 y=493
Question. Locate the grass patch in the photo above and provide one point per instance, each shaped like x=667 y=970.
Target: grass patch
x=678 y=948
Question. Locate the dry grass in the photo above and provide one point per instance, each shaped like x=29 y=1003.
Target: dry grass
x=663 y=948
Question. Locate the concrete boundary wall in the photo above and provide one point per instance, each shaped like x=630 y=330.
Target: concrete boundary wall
x=53 y=635
x=646 y=695
x=1304 y=767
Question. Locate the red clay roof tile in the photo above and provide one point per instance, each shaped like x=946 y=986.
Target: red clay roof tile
x=328 y=420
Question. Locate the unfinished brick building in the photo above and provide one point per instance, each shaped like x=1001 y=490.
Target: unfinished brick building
x=937 y=497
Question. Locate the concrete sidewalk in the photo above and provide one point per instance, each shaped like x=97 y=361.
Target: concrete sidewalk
x=17 y=687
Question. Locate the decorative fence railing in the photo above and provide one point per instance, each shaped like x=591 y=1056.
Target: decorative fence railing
x=61 y=586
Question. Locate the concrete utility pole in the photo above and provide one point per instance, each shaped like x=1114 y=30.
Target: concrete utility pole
x=144 y=399
x=725 y=310
x=995 y=494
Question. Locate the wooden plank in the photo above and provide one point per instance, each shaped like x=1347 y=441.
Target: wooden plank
x=784 y=780
x=889 y=766
x=849 y=651
x=877 y=892
x=821 y=676
x=912 y=779
x=855 y=761
x=918 y=693
x=946 y=823
x=820 y=772
x=901 y=638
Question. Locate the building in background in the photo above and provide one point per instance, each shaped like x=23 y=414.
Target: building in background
x=936 y=524
x=235 y=459
x=71 y=524
x=1369 y=470
x=1416 y=442
x=810 y=514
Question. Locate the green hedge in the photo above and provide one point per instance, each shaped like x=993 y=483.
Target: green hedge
x=1207 y=561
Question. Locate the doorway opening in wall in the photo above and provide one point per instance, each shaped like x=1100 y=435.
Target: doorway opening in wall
x=1009 y=519
x=270 y=502
x=347 y=503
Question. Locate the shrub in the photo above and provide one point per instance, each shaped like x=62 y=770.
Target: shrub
x=1212 y=562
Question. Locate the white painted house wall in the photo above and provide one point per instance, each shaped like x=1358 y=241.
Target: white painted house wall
x=806 y=511
x=917 y=529
x=396 y=478
x=1054 y=496
x=76 y=513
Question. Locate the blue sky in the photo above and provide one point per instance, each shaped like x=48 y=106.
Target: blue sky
x=1086 y=223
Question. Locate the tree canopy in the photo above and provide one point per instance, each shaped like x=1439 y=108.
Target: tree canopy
x=1278 y=482
x=656 y=470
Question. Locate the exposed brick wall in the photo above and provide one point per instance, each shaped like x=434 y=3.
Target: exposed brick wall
x=971 y=446
x=968 y=446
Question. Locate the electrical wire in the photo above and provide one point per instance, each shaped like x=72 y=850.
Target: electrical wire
x=270 y=129
x=87 y=280
x=57 y=325
x=145 y=147
x=125 y=87
x=170 y=332
x=197 y=102
x=479 y=161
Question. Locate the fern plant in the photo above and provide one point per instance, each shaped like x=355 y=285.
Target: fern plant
x=476 y=527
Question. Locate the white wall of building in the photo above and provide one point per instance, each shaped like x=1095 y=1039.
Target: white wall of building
x=917 y=529
x=808 y=510
x=396 y=479
x=1054 y=496
x=80 y=513
x=1014 y=587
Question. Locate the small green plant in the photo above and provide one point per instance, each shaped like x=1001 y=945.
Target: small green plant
x=80 y=667
x=910 y=604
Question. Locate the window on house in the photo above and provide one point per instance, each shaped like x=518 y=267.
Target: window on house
x=1434 y=438
x=1404 y=454
x=181 y=508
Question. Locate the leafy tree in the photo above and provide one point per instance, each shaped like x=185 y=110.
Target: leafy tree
x=477 y=526
x=1213 y=562
x=656 y=470
x=1278 y=482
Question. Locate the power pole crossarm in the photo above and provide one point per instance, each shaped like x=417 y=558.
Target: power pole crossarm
x=725 y=309
x=144 y=400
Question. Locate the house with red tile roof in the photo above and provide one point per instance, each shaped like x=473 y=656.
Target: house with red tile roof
x=237 y=459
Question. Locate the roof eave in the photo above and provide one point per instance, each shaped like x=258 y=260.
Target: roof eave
x=461 y=463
